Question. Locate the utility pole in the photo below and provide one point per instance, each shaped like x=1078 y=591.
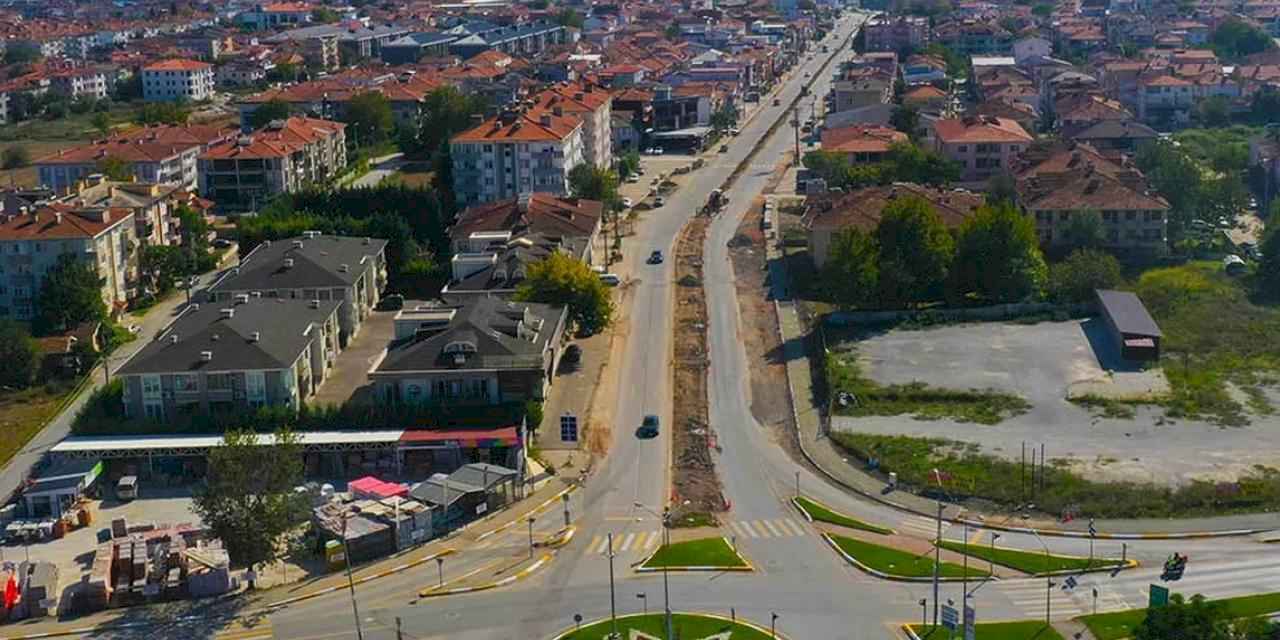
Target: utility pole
x=795 y=125
x=351 y=584
x=613 y=603
x=937 y=560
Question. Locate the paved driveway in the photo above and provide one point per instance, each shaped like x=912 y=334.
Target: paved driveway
x=349 y=376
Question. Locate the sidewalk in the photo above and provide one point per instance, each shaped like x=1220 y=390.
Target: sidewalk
x=838 y=465
x=221 y=611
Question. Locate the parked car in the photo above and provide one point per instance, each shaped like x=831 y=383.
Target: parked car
x=221 y=243
x=393 y=302
x=724 y=148
x=572 y=354
x=777 y=102
x=655 y=257
x=626 y=202
x=127 y=488
x=659 y=201
x=633 y=178
x=648 y=427
x=610 y=279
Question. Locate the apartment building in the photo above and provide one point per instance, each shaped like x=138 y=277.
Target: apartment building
x=32 y=242
x=240 y=354
x=313 y=266
x=896 y=33
x=276 y=14
x=520 y=151
x=152 y=205
x=984 y=146
x=176 y=79
x=594 y=106
x=282 y=157
x=163 y=154
x=79 y=83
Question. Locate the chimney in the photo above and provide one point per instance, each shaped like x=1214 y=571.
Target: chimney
x=545 y=120
x=173 y=338
x=57 y=217
x=315 y=304
x=557 y=110
x=344 y=267
x=297 y=244
x=228 y=313
x=288 y=263
x=242 y=298
x=206 y=356
x=255 y=336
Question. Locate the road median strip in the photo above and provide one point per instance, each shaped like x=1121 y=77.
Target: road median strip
x=888 y=563
x=812 y=510
x=705 y=554
x=519 y=575
x=686 y=625
x=1035 y=563
x=1012 y=630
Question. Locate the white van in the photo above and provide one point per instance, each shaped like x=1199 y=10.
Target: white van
x=127 y=488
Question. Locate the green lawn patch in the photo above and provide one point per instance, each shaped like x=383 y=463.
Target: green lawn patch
x=900 y=563
x=822 y=514
x=1028 y=561
x=687 y=626
x=705 y=552
x=24 y=413
x=970 y=473
x=1022 y=630
x=870 y=398
x=1120 y=624
x=1105 y=407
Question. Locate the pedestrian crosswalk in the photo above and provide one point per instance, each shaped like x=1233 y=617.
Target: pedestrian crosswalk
x=923 y=527
x=1029 y=596
x=645 y=541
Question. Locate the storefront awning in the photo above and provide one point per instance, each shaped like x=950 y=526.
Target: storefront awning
x=464 y=438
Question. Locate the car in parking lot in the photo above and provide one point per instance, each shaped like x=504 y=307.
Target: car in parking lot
x=626 y=202
x=648 y=427
x=610 y=279
x=659 y=201
x=633 y=178
x=393 y=302
x=724 y=148
x=655 y=257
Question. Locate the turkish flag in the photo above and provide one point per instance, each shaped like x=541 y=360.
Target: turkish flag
x=11 y=592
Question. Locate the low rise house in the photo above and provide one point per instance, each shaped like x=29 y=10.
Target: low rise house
x=494 y=243
x=984 y=146
x=243 y=353
x=481 y=351
x=79 y=83
x=862 y=144
x=315 y=266
x=175 y=79
x=32 y=241
x=282 y=157
x=829 y=214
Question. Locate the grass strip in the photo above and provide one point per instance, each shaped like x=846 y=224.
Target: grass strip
x=869 y=398
x=821 y=513
x=684 y=625
x=1030 y=562
x=899 y=563
x=969 y=473
x=1120 y=624
x=1022 y=630
x=704 y=552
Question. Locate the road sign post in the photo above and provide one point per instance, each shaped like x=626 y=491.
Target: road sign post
x=1158 y=597
x=950 y=617
x=970 y=623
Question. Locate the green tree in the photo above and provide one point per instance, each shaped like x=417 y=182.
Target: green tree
x=15 y=157
x=70 y=294
x=1042 y=10
x=1234 y=39
x=672 y=32
x=1214 y=111
x=1264 y=107
x=957 y=64
x=906 y=119
x=19 y=353
x=159 y=266
x=115 y=168
x=1176 y=177
x=447 y=112
x=370 y=118
x=724 y=119
x=324 y=15
x=1085 y=230
x=629 y=163
x=1269 y=266
x=247 y=499
x=915 y=252
x=850 y=277
x=595 y=183
x=101 y=123
x=1002 y=188
x=910 y=163
x=565 y=280
x=1181 y=619
x=570 y=18
x=273 y=109
x=175 y=113
x=998 y=256
x=1083 y=271
x=21 y=53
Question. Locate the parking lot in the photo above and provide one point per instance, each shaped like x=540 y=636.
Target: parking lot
x=1043 y=363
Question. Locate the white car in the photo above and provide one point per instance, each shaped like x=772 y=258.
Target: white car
x=659 y=201
x=633 y=178
x=626 y=202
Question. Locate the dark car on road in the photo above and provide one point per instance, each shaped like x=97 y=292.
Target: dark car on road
x=393 y=302
x=655 y=257
x=648 y=427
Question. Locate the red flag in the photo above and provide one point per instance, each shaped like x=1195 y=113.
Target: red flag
x=11 y=592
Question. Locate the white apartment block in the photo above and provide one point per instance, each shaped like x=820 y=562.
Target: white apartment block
x=175 y=79
x=516 y=153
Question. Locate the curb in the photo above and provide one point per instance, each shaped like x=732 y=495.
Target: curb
x=561 y=538
x=640 y=568
x=889 y=531
x=1059 y=533
x=519 y=575
x=888 y=576
x=540 y=507
x=906 y=628
x=1128 y=563
x=381 y=574
x=716 y=616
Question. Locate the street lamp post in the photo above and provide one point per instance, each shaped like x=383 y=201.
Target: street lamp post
x=937 y=561
x=351 y=584
x=644 y=600
x=773 y=625
x=613 y=604
x=666 y=586
x=924 y=612
x=1048 y=580
x=565 y=498
x=531 y=537
x=440 y=568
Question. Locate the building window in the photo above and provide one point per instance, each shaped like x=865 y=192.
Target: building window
x=185 y=382
x=568 y=428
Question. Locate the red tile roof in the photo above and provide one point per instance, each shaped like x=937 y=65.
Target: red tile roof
x=862 y=208
x=59 y=222
x=270 y=141
x=544 y=214
x=861 y=139
x=176 y=64
x=979 y=130
x=537 y=125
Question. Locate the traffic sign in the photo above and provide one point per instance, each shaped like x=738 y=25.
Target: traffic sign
x=1159 y=596
x=1070 y=583
x=950 y=617
x=970 y=623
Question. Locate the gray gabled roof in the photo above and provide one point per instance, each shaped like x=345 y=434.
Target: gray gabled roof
x=504 y=335
x=1127 y=312
x=284 y=326
x=316 y=263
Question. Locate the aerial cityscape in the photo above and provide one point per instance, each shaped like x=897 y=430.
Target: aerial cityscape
x=640 y=320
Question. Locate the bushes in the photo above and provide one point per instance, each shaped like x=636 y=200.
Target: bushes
x=1074 y=280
